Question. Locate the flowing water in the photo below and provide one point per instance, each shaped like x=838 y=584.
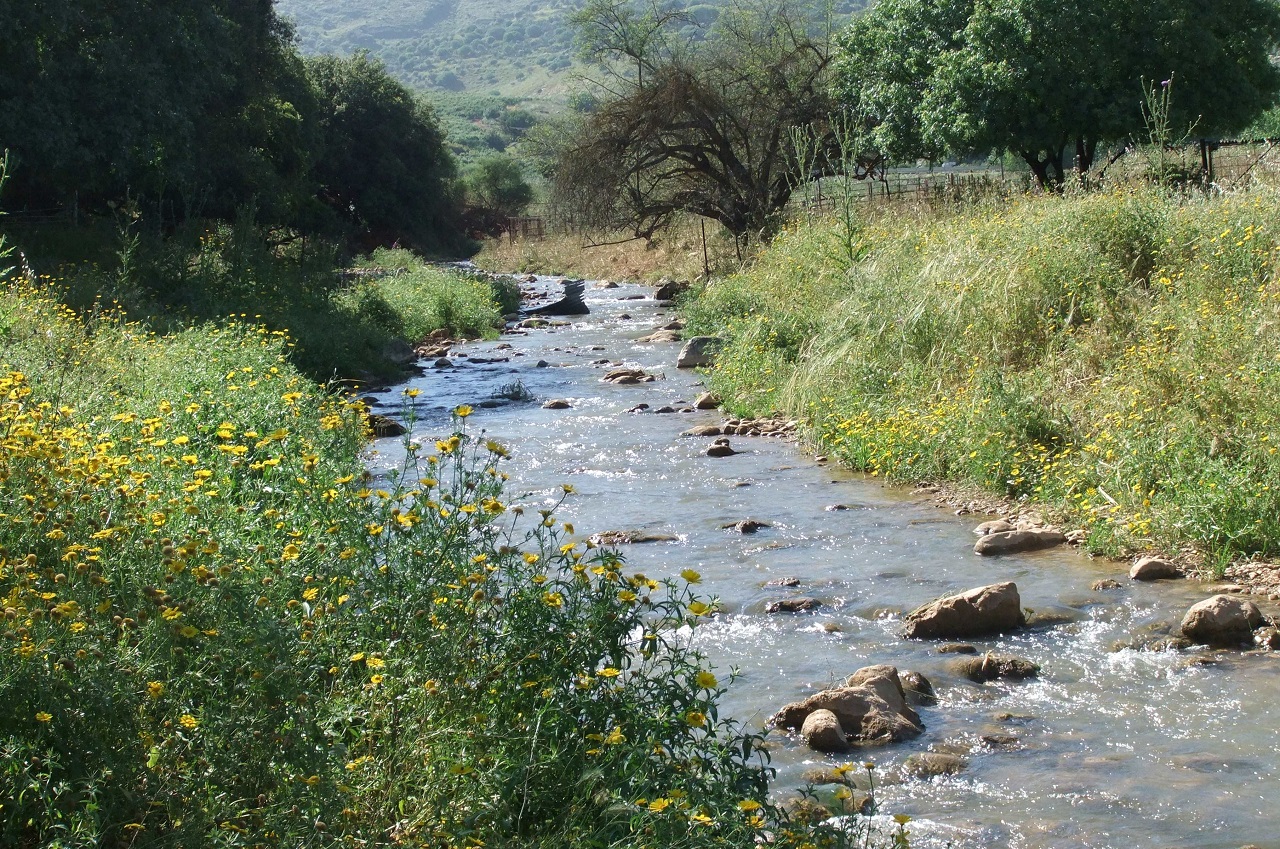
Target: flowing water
x=1114 y=748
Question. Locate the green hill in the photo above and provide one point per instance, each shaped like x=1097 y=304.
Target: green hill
x=520 y=48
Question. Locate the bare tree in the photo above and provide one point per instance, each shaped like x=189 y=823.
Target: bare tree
x=700 y=125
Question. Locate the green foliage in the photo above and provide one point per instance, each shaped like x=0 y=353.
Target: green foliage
x=496 y=190
x=384 y=167
x=1103 y=355
x=982 y=76
x=221 y=631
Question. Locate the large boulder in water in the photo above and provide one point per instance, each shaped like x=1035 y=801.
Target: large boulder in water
x=870 y=708
x=985 y=610
x=1222 y=621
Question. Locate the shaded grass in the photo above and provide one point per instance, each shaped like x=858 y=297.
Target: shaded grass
x=1108 y=355
x=338 y=327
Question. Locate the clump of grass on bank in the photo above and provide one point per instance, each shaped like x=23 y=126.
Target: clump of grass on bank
x=339 y=326
x=1108 y=355
x=676 y=254
x=218 y=630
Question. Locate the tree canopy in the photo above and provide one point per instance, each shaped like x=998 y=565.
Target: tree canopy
x=200 y=108
x=1051 y=81
x=693 y=126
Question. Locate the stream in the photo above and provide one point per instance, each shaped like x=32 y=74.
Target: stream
x=1106 y=748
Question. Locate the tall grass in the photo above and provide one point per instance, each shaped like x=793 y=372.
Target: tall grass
x=1108 y=355
x=219 y=630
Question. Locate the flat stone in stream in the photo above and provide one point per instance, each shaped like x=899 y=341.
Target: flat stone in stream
x=624 y=376
x=556 y=404
x=606 y=538
x=1015 y=542
x=704 y=430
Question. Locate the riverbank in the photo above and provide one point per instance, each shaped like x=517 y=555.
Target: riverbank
x=1105 y=357
x=221 y=627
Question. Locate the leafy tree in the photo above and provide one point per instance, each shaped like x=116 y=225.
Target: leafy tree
x=384 y=168
x=496 y=190
x=697 y=126
x=1050 y=81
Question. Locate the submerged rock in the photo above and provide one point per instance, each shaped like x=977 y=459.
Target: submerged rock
x=871 y=708
x=932 y=764
x=556 y=404
x=990 y=667
x=797 y=604
x=624 y=376
x=1105 y=584
x=1221 y=621
x=629 y=538
x=746 y=526
x=983 y=610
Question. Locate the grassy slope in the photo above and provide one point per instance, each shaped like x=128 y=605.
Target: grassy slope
x=510 y=47
x=1110 y=356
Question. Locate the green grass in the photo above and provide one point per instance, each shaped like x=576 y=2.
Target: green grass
x=339 y=327
x=1107 y=355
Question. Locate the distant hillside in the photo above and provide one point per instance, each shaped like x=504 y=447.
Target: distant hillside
x=521 y=48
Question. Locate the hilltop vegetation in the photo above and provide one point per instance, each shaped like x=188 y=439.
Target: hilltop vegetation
x=508 y=47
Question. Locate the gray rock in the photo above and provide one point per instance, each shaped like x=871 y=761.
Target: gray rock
x=699 y=352
x=556 y=404
x=706 y=401
x=1013 y=542
x=983 y=610
x=821 y=730
x=871 y=708
x=999 y=526
x=990 y=667
x=1153 y=569
x=704 y=430
x=1221 y=621
x=443 y=362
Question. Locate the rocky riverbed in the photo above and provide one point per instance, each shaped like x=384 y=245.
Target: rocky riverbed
x=1088 y=716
